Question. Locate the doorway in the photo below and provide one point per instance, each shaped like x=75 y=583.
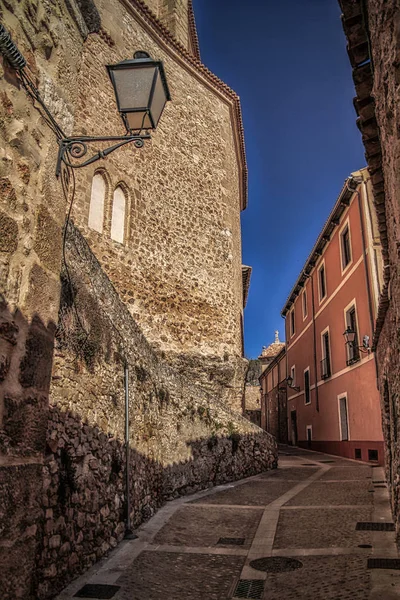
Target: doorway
x=309 y=435
x=293 y=427
x=344 y=423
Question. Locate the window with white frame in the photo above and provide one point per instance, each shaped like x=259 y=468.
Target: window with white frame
x=322 y=282
x=343 y=418
x=293 y=374
x=304 y=303
x=345 y=247
x=326 y=354
x=96 y=206
x=353 y=352
x=292 y=322
x=118 y=215
x=307 y=389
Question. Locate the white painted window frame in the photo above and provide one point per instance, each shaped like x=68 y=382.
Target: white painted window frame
x=323 y=354
x=293 y=373
x=352 y=304
x=345 y=225
x=339 y=396
x=304 y=299
x=292 y=332
x=319 y=268
x=309 y=384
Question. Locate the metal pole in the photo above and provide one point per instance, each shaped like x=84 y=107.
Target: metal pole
x=128 y=531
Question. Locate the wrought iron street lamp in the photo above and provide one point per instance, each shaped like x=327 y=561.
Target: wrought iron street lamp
x=141 y=92
x=289 y=381
x=350 y=337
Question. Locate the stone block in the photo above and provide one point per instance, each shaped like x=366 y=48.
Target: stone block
x=8 y=233
x=35 y=369
x=25 y=422
x=47 y=243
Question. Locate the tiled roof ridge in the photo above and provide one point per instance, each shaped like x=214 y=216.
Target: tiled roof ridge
x=164 y=32
x=246 y=276
x=273 y=349
x=193 y=30
x=355 y=26
x=273 y=362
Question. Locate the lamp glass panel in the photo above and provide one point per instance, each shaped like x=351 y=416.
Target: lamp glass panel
x=350 y=335
x=133 y=87
x=159 y=99
x=138 y=120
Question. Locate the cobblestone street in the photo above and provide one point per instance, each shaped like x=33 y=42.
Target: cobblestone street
x=201 y=547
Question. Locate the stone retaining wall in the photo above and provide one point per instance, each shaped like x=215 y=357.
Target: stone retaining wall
x=183 y=438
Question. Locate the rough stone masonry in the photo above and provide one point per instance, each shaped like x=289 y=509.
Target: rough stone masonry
x=372 y=30
x=166 y=301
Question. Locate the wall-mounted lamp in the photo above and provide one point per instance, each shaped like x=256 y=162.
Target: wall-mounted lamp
x=141 y=92
x=350 y=337
x=289 y=383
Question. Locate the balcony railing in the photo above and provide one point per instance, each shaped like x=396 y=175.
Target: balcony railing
x=325 y=368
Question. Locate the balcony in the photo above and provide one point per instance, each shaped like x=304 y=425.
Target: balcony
x=325 y=368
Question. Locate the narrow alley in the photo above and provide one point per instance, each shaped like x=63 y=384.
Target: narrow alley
x=317 y=527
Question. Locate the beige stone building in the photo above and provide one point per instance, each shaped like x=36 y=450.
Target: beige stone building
x=147 y=316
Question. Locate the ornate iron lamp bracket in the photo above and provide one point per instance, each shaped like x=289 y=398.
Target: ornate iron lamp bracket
x=71 y=149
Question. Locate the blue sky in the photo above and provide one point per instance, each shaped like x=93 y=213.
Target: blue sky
x=287 y=61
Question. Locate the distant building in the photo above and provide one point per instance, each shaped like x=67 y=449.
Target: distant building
x=253 y=392
x=274 y=395
x=269 y=353
x=336 y=406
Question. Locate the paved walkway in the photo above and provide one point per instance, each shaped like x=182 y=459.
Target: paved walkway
x=301 y=517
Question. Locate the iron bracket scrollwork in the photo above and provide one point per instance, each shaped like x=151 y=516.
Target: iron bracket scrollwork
x=70 y=150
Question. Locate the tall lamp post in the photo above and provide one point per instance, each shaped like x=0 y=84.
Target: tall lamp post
x=141 y=92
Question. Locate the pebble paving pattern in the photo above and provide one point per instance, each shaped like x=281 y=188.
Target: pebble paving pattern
x=172 y=576
x=321 y=578
x=254 y=493
x=328 y=493
x=321 y=528
x=312 y=520
x=199 y=526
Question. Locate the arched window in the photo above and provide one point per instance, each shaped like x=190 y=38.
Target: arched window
x=118 y=215
x=96 y=208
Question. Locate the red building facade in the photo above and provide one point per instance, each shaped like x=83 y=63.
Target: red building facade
x=333 y=404
x=274 y=397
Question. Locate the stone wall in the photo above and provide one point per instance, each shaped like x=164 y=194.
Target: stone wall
x=32 y=213
x=183 y=438
x=383 y=17
x=180 y=276
x=179 y=268
x=252 y=396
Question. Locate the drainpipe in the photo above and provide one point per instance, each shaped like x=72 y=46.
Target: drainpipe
x=128 y=531
x=315 y=342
